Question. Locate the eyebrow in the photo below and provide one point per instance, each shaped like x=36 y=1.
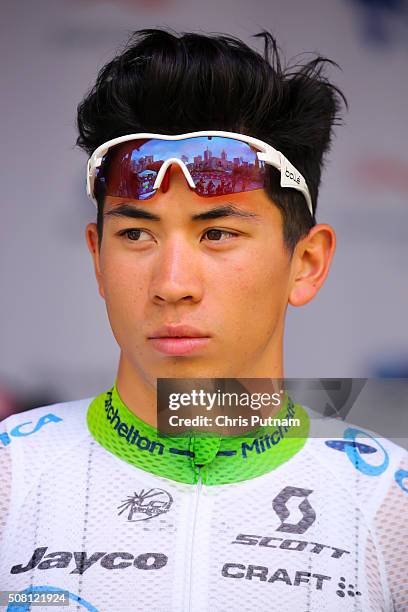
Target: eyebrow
x=226 y=210
x=126 y=210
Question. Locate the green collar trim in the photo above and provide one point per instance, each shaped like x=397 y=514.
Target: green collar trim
x=219 y=460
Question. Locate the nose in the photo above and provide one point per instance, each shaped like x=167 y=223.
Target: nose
x=176 y=274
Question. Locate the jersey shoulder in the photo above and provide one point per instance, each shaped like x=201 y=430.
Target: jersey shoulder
x=359 y=458
x=47 y=427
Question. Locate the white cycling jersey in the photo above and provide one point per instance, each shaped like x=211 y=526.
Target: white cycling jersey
x=94 y=503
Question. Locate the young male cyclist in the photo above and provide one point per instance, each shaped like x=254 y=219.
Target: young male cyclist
x=205 y=164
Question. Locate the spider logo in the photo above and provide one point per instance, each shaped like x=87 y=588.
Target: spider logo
x=141 y=506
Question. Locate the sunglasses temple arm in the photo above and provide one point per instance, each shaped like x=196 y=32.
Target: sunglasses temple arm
x=289 y=176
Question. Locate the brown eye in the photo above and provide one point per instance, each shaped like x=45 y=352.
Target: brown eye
x=136 y=235
x=133 y=234
x=215 y=234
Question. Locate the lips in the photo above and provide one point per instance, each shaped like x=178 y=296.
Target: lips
x=178 y=331
x=177 y=340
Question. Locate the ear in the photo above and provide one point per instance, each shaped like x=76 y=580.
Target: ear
x=91 y=234
x=311 y=263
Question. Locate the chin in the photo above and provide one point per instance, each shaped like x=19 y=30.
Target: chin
x=189 y=367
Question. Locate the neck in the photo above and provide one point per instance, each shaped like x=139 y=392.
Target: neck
x=136 y=392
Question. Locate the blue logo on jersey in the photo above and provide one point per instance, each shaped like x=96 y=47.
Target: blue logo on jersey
x=340 y=445
x=354 y=451
x=356 y=459
x=400 y=477
x=25 y=607
x=20 y=430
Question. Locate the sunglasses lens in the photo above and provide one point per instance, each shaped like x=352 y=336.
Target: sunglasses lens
x=128 y=170
x=224 y=165
x=217 y=165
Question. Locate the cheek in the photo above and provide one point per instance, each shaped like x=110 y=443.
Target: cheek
x=124 y=283
x=260 y=279
x=254 y=298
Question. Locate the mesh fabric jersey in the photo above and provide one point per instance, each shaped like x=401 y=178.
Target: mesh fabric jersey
x=95 y=503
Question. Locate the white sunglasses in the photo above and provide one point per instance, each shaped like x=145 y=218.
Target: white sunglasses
x=213 y=162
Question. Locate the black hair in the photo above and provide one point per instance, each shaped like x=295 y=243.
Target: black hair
x=166 y=83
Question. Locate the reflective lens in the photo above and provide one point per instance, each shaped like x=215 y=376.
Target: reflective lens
x=217 y=165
